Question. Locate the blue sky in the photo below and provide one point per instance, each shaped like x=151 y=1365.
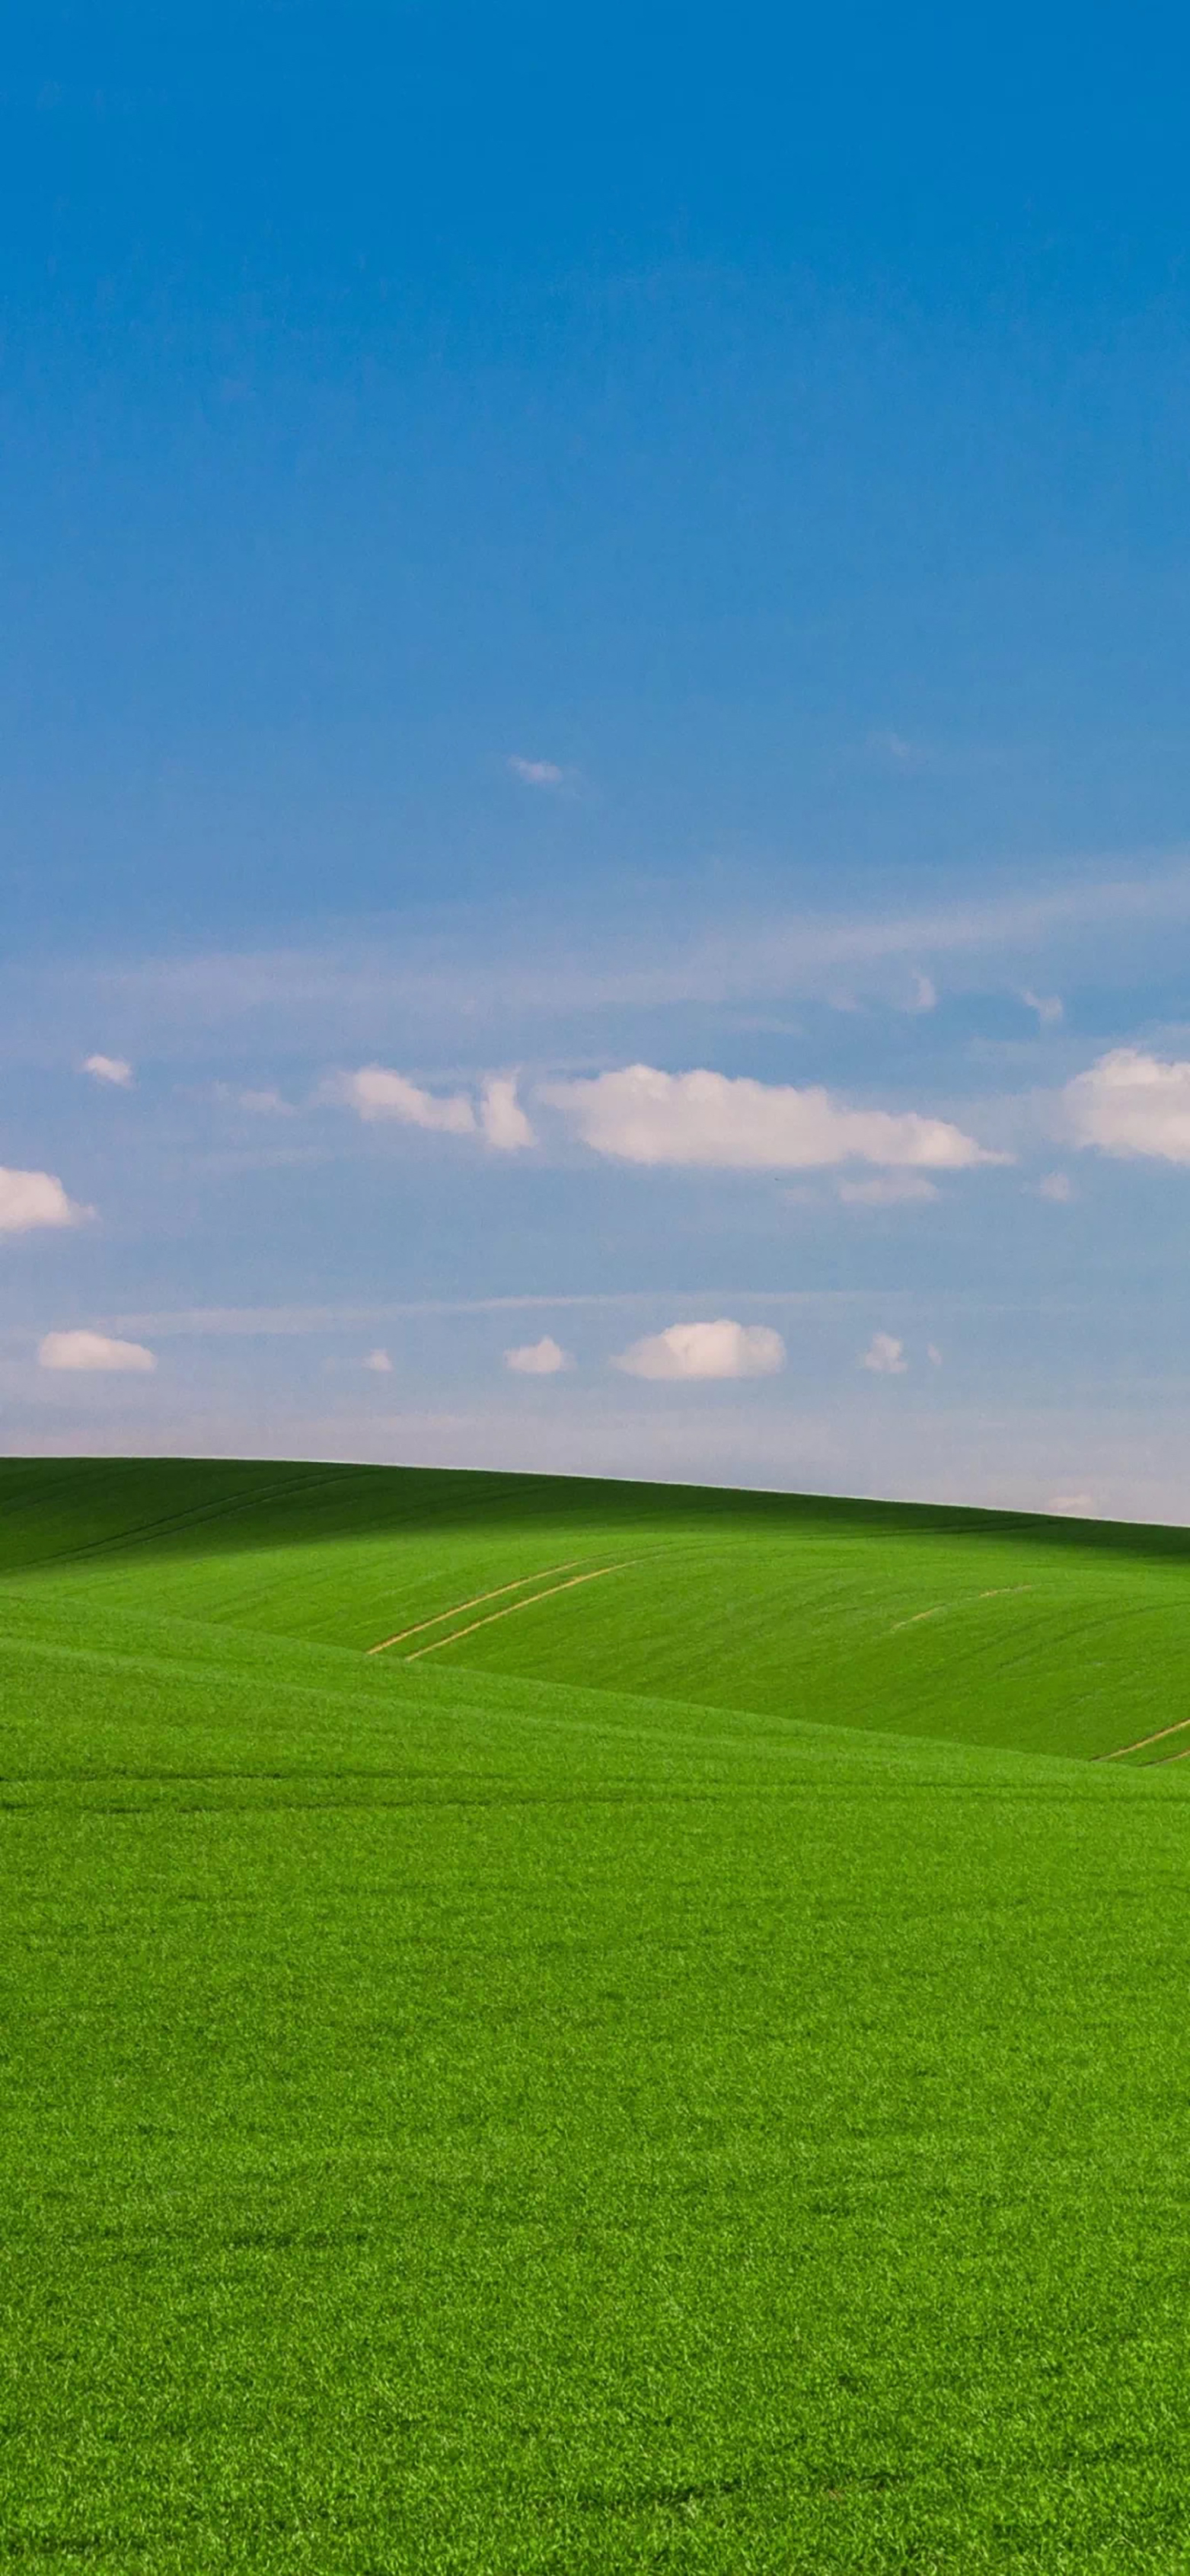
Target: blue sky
x=594 y=729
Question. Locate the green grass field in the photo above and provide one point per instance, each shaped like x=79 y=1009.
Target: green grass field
x=677 y=2062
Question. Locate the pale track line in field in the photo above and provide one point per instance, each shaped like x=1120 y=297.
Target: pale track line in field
x=473 y=1604
x=493 y=1615
x=1001 y=1593
x=1142 y=1740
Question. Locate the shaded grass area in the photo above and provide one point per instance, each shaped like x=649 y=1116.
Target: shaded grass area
x=456 y=2124
x=54 y=1509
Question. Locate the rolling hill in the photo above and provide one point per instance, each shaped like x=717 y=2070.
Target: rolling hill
x=982 y=1627
x=674 y=2060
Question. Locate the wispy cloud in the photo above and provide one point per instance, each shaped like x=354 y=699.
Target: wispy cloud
x=353 y=985
x=536 y=773
x=887 y=1189
x=1050 y=1010
x=895 y=751
x=264 y=1104
x=95 y=1351
x=230 y=1323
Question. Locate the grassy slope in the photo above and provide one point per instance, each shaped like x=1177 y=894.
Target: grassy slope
x=975 y=1626
x=466 y=2123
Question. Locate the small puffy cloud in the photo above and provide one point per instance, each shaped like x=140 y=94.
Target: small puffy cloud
x=722 y=1349
x=925 y=994
x=1131 y=1103
x=536 y=773
x=1075 y=1506
x=501 y=1116
x=1047 y=1006
x=31 y=1199
x=933 y=1354
x=887 y=1189
x=538 y=1359
x=374 y=1092
x=379 y=1363
x=110 y=1068
x=885 y=1356
x=736 y=1124
x=94 y=1351
x=1057 y=1186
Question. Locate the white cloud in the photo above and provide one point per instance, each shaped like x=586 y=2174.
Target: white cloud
x=501 y=1116
x=925 y=994
x=30 y=1199
x=1131 y=1103
x=536 y=773
x=110 y=1068
x=1057 y=1186
x=885 y=1356
x=93 y=1351
x=644 y=1116
x=887 y=1189
x=722 y=1349
x=538 y=1359
x=379 y=1363
x=1078 y=1506
x=933 y=1354
x=374 y=1093
x=1047 y=1006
